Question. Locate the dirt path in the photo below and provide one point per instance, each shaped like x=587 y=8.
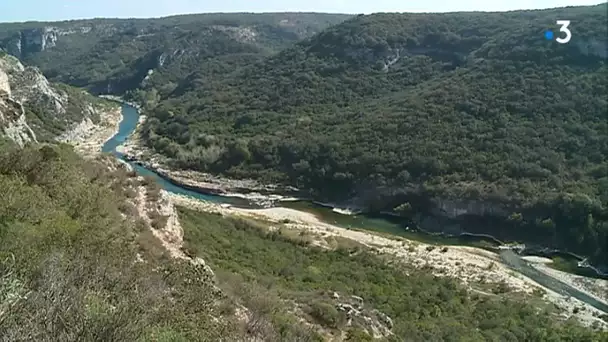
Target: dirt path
x=171 y=235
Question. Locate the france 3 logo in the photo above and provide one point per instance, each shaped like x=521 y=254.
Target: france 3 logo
x=563 y=28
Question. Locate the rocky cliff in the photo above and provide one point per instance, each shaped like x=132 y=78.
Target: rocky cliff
x=31 y=41
x=33 y=109
x=12 y=113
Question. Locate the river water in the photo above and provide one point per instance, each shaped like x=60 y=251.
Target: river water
x=385 y=225
x=130 y=118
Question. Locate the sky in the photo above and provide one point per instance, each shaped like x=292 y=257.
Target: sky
x=53 y=10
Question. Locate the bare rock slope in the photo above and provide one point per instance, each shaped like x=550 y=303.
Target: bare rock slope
x=12 y=113
x=33 y=109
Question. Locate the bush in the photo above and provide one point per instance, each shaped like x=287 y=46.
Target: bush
x=325 y=314
x=75 y=258
x=358 y=335
x=422 y=307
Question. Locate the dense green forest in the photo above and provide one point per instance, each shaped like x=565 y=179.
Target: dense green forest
x=463 y=106
x=113 y=55
x=325 y=114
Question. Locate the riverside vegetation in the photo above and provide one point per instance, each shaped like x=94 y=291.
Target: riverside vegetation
x=70 y=271
x=408 y=106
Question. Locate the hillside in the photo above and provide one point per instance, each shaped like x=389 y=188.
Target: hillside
x=83 y=258
x=115 y=55
x=465 y=110
x=90 y=251
x=69 y=267
x=34 y=110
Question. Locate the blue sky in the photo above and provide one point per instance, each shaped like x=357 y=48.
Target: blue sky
x=47 y=10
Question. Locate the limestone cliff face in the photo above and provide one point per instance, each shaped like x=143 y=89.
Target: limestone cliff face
x=24 y=91
x=32 y=40
x=5 y=86
x=32 y=88
x=12 y=114
x=28 y=86
x=33 y=109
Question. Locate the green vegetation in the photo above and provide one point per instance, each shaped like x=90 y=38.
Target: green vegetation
x=68 y=267
x=466 y=106
x=475 y=107
x=321 y=116
x=422 y=307
x=463 y=105
x=47 y=123
x=114 y=55
x=69 y=270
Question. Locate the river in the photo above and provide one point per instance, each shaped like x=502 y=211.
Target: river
x=129 y=124
x=130 y=119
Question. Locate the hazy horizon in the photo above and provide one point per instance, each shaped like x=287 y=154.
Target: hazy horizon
x=59 y=10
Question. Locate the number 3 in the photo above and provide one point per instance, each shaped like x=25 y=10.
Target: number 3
x=564 y=28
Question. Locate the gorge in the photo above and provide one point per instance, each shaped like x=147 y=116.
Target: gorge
x=130 y=121
x=420 y=176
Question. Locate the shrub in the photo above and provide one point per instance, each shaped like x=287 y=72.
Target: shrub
x=326 y=314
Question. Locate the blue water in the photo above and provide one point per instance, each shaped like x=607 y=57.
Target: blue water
x=130 y=118
x=129 y=123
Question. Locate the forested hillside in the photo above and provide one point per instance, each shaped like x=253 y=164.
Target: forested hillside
x=456 y=101
x=406 y=109
x=115 y=55
x=466 y=106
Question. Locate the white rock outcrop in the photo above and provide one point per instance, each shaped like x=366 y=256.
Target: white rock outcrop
x=12 y=115
x=20 y=87
x=32 y=40
x=5 y=86
x=19 y=131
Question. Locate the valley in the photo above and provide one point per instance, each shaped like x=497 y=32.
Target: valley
x=474 y=267
x=463 y=128
x=304 y=177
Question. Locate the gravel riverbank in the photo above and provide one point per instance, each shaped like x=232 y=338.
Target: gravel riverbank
x=470 y=265
x=88 y=137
